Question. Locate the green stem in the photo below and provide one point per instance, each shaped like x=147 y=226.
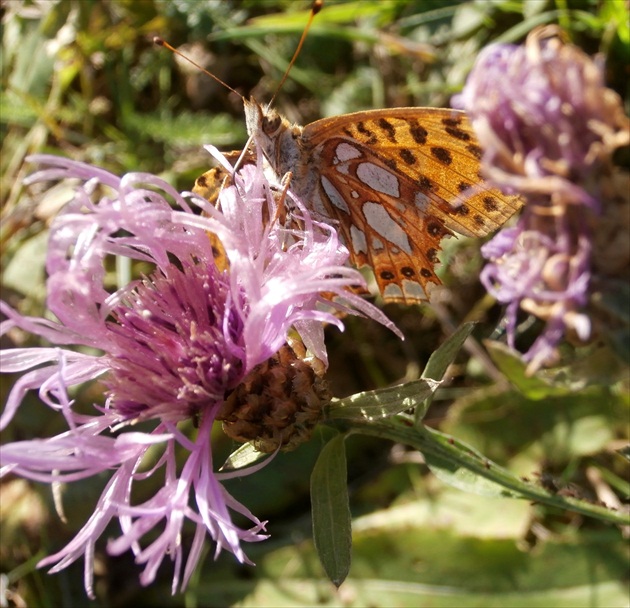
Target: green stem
x=443 y=452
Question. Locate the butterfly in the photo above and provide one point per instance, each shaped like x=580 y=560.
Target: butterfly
x=394 y=182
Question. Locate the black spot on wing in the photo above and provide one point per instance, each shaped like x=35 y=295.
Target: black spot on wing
x=475 y=150
x=408 y=156
x=462 y=209
x=452 y=127
x=387 y=275
x=407 y=272
x=418 y=132
x=388 y=128
x=425 y=183
x=367 y=133
x=490 y=203
x=391 y=163
x=442 y=154
x=435 y=229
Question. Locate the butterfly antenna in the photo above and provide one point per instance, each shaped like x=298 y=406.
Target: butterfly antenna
x=161 y=42
x=315 y=8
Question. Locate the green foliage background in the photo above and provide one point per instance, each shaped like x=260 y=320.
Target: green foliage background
x=83 y=79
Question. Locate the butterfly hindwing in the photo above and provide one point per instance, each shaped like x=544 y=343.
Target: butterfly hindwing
x=400 y=241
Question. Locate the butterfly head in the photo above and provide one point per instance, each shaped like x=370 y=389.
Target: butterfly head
x=274 y=136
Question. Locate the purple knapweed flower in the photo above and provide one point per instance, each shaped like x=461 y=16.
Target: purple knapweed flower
x=548 y=127
x=168 y=348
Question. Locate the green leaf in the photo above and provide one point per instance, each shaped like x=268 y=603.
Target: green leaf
x=439 y=361
x=348 y=12
x=463 y=467
x=383 y=402
x=514 y=368
x=26 y=271
x=441 y=358
x=332 y=525
x=529 y=434
x=616 y=14
x=458 y=469
x=244 y=456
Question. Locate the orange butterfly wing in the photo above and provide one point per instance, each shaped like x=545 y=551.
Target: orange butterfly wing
x=209 y=186
x=397 y=181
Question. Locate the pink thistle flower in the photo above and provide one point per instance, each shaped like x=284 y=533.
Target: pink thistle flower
x=549 y=127
x=172 y=345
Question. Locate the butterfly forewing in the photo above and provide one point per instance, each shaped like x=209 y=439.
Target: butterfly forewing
x=437 y=149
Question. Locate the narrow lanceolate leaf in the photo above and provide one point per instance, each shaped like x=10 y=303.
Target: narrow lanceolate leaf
x=511 y=364
x=460 y=465
x=383 y=402
x=244 y=456
x=332 y=532
x=439 y=361
x=441 y=358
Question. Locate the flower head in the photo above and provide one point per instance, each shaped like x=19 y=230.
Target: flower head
x=173 y=347
x=548 y=126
